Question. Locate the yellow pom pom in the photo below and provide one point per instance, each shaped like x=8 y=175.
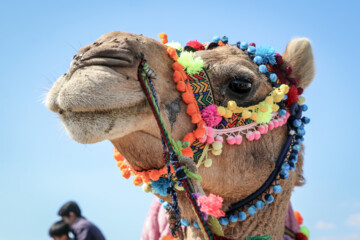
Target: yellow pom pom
x=228 y=114
x=284 y=88
x=301 y=100
x=278 y=98
x=246 y=114
x=269 y=100
x=275 y=108
x=231 y=105
x=216 y=152
x=178 y=187
x=221 y=111
x=264 y=108
x=238 y=110
x=217 y=145
x=208 y=162
x=254 y=116
x=146 y=187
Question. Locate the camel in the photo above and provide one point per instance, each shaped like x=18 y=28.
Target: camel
x=100 y=98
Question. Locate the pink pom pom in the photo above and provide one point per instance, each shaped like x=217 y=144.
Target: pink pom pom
x=271 y=125
x=230 y=140
x=203 y=139
x=219 y=139
x=287 y=115
x=210 y=131
x=257 y=135
x=210 y=140
x=266 y=128
x=211 y=116
x=238 y=139
x=211 y=205
x=276 y=123
x=262 y=129
x=250 y=136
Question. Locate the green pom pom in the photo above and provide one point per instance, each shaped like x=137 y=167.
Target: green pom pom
x=175 y=45
x=191 y=64
x=185 y=144
x=264 y=117
x=304 y=230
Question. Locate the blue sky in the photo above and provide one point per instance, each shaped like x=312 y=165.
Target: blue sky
x=41 y=167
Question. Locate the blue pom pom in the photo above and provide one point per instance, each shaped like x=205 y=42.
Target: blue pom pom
x=292 y=166
x=269 y=198
x=184 y=222
x=304 y=107
x=258 y=60
x=267 y=53
x=300 y=140
x=165 y=204
x=285 y=166
x=244 y=45
x=296 y=123
x=252 y=210
x=233 y=218
x=284 y=174
x=216 y=39
x=263 y=69
x=161 y=201
x=285 y=97
x=196 y=225
x=305 y=120
x=224 y=221
x=225 y=39
x=251 y=49
x=301 y=131
x=297 y=147
x=242 y=216
x=260 y=204
x=277 y=188
x=292 y=162
x=282 y=112
x=273 y=77
x=293 y=155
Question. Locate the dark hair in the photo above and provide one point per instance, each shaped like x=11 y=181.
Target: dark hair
x=68 y=207
x=59 y=229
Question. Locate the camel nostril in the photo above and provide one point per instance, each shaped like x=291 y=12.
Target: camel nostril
x=61 y=111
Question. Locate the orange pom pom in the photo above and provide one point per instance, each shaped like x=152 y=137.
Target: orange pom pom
x=187 y=97
x=191 y=109
x=177 y=66
x=187 y=152
x=154 y=174
x=200 y=131
x=172 y=53
x=125 y=173
x=196 y=118
x=181 y=86
x=177 y=76
x=298 y=217
x=137 y=180
x=168 y=237
x=145 y=177
x=163 y=38
x=123 y=166
x=118 y=157
x=221 y=43
x=190 y=137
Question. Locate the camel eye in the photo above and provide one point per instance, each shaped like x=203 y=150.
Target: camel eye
x=240 y=85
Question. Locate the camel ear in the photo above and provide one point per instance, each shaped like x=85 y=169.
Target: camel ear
x=298 y=54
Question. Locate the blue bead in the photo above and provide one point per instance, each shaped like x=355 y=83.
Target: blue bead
x=251 y=49
x=284 y=174
x=282 y=112
x=244 y=45
x=304 y=107
x=269 y=198
x=216 y=39
x=258 y=60
x=184 y=222
x=225 y=39
x=285 y=97
x=233 y=218
x=196 y=225
x=224 y=221
x=299 y=140
x=277 y=188
x=297 y=147
x=165 y=204
x=273 y=77
x=260 y=204
x=285 y=166
x=296 y=123
x=242 y=216
x=292 y=168
x=300 y=131
x=305 y=120
x=263 y=69
x=252 y=210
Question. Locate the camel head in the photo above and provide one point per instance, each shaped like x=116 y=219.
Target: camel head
x=100 y=98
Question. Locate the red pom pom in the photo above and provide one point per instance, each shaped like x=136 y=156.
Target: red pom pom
x=279 y=59
x=252 y=44
x=292 y=96
x=293 y=81
x=300 y=90
x=301 y=236
x=195 y=45
x=288 y=70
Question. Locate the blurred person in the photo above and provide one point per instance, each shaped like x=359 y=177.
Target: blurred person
x=59 y=230
x=79 y=226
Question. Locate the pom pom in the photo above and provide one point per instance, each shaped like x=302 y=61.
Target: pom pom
x=210 y=140
x=221 y=111
x=275 y=107
x=300 y=90
x=184 y=222
x=238 y=139
x=216 y=39
x=304 y=107
x=254 y=116
x=125 y=173
x=271 y=125
x=175 y=45
x=250 y=136
x=208 y=162
x=203 y=139
x=146 y=187
x=189 y=138
x=260 y=204
x=231 y=140
x=196 y=45
x=163 y=38
x=301 y=99
x=187 y=97
x=305 y=231
x=288 y=70
x=269 y=198
x=137 y=180
x=242 y=216
x=217 y=145
x=224 y=39
x=211 y=116
x=262 y=129
x=224 y=221
x=231 y=105
x=284 y=88
x=233 y=218
x=177 y=67
x=216 y=152
x=292 y=96
x=251 y=49
x=298 y=217
x=172 y=53
x=219 y=139
x=191 y=63
x=160 y=186
x=228 y=114
x=211 y=205
x=277 y=188
x=269 y=100
x=187 y=152
x=191 y=109
x=196 y=118
x=244 y=45
x=181 y=86
x=278 y=58
x=252 y=210
x=264 y=117
x=284 y=174
x=252 y=44
x=257 y=135
x=246 y=114
x=258 y=60
x=196 y=225
x=200 y=131
x=267 y=53
x=118 y=157
x=273 y=77
x=263 y=68
x=301 y=236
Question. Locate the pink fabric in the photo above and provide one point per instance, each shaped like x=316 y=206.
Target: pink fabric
x=156 y=224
